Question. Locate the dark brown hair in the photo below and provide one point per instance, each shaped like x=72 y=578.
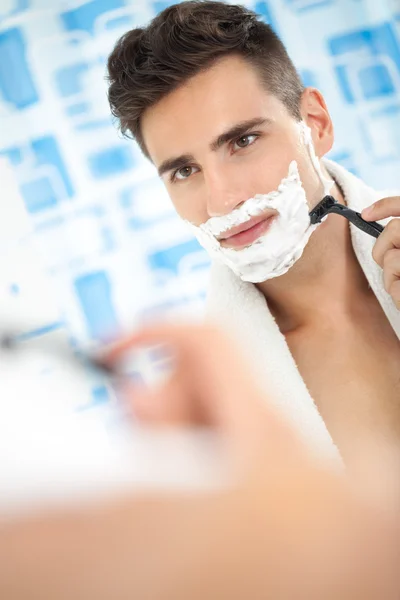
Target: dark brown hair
x=185 y=39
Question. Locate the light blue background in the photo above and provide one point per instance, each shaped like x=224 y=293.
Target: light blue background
x=109 y=237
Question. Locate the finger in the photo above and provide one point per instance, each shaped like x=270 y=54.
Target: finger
x=382 y=209
x=391 y=268
x=388 y=239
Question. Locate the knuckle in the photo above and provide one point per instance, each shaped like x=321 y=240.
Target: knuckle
x=390 y=257
x=393 y=227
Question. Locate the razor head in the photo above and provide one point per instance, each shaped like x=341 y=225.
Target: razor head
x=322 y=209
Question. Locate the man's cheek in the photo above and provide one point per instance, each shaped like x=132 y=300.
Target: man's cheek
x=188 y=213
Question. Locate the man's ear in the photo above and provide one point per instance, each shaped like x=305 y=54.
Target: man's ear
x=315 y=113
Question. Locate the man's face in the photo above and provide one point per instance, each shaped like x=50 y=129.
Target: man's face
x=221 y=138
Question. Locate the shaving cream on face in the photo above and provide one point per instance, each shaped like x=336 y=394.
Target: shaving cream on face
x=276 y=251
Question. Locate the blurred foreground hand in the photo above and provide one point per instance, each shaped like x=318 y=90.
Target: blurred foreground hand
x=286 y=529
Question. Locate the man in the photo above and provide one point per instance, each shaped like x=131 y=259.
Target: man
x=214 y=101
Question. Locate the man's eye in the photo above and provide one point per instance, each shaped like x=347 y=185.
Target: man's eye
x=245 y=140
x=183 y=173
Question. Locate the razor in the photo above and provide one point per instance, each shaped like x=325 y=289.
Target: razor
x=330 y=205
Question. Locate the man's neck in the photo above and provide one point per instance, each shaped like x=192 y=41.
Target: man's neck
x=325 y=281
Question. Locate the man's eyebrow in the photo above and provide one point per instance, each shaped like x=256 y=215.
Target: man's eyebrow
x=171 y=164
x=237 y=131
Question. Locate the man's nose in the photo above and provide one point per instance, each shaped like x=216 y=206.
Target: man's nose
x=223 y=193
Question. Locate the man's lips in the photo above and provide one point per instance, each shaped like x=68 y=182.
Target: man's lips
x=247 y=233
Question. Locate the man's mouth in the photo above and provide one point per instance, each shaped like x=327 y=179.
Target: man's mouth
x=247 y=233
